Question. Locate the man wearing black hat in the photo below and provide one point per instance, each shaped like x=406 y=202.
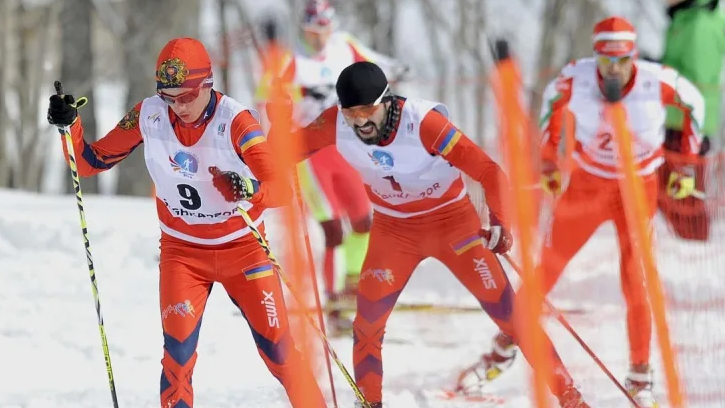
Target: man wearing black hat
x=410 y=157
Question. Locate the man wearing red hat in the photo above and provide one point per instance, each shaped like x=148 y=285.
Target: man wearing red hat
x=205 y=153
x=333 y=192
x=592 y=196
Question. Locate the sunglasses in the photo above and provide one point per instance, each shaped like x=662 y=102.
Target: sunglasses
x=364 y=111
x=186 y=97
x=609 y=60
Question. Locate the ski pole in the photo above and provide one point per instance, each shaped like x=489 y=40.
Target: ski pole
x=578 y=338
x=263 y=243
x=311 y=265
x=65 y=132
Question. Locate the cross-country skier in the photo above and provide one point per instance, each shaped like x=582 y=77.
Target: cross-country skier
x=205 y=152
x=411 y=159
x=333 y=192
x=593 y=196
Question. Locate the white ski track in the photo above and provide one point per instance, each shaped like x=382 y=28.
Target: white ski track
x=446 y=398
x=48 y=320
x=428 y=308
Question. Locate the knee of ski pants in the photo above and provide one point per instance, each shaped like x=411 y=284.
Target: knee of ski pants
x=281 y=353
x=333 y=232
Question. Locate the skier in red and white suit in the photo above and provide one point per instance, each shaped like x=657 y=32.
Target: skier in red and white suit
x=411 y=159
x=593 y=196
x=205 y=153
x=333 y=192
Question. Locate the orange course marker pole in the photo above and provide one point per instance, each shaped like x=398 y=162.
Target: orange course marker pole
x=516 y=144
x=633 y=195
x=273 y=61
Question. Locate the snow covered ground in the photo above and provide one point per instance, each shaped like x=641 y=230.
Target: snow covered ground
x=50 y=354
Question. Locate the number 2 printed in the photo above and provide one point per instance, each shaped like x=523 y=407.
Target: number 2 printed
x=605 y=142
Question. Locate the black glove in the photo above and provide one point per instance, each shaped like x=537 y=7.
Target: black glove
x=232 y=186
x=497 y=238
x=500 y=50
x=62 y=110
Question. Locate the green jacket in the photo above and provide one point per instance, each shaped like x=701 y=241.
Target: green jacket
x=695 y=46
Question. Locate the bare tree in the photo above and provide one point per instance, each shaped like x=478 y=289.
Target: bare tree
x=588 y=12
x=76 y=69
x=479 y=48
x=31 y=36
x=6 y=16
x=461 y=37
x=379 y=18
x=252 y=42
x=226 y=52
x=149 y=26
x=553 y=20
x=437 y=27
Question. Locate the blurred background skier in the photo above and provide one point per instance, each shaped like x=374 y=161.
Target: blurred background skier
x=332 y=190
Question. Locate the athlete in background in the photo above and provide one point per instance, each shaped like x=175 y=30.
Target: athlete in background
x=333 y=192
x=205 y=152
x=593 y=196
x=694 y=45
x=410 y=157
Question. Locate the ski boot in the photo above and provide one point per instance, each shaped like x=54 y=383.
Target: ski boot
x=339 y=324
x=489 y=367
x=639 y=385
x=571 y=398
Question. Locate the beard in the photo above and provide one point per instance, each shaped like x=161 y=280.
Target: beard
x=370 y=137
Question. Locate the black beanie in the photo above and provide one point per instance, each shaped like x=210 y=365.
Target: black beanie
x=360 y=84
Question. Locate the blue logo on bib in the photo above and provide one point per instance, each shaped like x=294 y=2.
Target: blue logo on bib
x=185 y=163
x=382 y=159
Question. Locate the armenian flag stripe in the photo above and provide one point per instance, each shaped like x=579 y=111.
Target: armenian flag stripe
x=466 y=243
x=252 y=138
x=448 y=142
x=259 y=272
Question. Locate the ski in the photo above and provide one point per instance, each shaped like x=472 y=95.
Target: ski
x=424 y=308
x=482 y=400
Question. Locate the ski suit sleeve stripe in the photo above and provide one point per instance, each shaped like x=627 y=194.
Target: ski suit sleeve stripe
x=553 y=108
x=106 y=152
x=252 y=147
x=251 y=136
x=680 y=93
x=442 y=138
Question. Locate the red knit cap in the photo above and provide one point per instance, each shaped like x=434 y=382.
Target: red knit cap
x=614 y=36
x=183 y=63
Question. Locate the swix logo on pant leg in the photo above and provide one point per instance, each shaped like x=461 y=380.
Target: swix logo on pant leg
x=481 y=267
x=271 y=308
